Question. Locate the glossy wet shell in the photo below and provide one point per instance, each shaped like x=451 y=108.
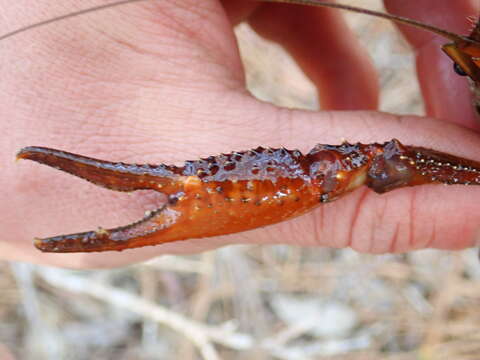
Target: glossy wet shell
x=235 y=192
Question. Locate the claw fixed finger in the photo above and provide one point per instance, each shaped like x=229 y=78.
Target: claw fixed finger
x=134 y=235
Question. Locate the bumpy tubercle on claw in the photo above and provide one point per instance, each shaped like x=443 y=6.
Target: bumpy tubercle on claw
x=235 y=192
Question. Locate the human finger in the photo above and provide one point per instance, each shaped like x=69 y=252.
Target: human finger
x=327 y=51
x=446 y=95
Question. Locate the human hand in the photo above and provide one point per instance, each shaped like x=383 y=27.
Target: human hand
x=163 y=82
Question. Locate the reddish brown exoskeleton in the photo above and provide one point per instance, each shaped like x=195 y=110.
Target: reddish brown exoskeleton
x=213 y=196
x=244 y=190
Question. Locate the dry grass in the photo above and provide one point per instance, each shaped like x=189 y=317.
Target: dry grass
x=258 y=302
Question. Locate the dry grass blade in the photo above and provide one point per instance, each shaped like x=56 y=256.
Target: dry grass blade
x=201 y=335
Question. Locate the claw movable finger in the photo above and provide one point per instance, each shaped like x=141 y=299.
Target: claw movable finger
x=111 y=175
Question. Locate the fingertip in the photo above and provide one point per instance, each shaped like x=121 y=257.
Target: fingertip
x=327 y=51
x=446 y=95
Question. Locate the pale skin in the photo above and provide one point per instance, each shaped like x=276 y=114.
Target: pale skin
x=159 y=82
